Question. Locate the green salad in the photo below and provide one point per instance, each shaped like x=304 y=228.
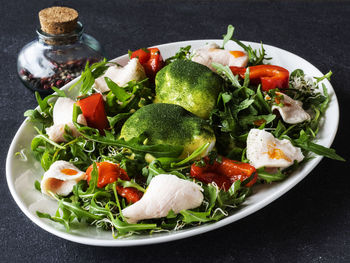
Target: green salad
x=161 y=145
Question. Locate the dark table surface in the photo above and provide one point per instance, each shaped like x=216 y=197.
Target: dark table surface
x=310 y=223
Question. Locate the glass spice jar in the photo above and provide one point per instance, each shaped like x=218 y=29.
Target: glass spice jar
x=60 y=52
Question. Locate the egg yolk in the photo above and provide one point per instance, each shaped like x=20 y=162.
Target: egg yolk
x=237 y=54
x=275 y=153
x=69 y=171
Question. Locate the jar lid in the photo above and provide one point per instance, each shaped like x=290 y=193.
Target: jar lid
x=58 y=20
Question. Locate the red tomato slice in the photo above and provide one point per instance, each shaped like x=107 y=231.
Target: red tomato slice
x=93 y=109
x=107 y=173
x=150 y=59
x=142 y=54
x=132 y=195
x=225 y=173
x=270 y=76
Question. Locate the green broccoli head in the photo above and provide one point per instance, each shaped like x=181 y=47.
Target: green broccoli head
x=169 y=124
x=190 y=85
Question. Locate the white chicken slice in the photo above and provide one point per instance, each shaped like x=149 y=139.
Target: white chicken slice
x=213 y=53
x=60 y=178
x=165 y=192
x=121 y=75
x=63 y=115
x=265 y=150
x=292 y=111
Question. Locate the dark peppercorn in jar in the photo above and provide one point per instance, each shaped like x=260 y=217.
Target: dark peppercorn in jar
x=60 y=52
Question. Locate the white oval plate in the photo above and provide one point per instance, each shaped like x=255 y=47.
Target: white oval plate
x=21 y=174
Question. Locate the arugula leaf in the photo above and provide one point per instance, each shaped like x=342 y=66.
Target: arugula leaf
x=256 y=57
x=54 y=218
x=249 y=120
x=279 y=130
x=192 y=216
x=134 y=144
x=228 y=36
x=37 y=185
x=246 y=78
x=42 y=104
x=125 y=228
x=271 y=177
x=89 y=75
x=210 y=193
x=194 y=155
x=260 y=98
x=36 y=140
x=234 y=196
x=323 y=106
x=117 y=118
x=183 y=53
x=153 y=169
x=228 y=123
x=90 y=191
x=326 y=76
x=130 y=184
x=129 y=98
x=320 y=150
x=46 y=160
x=297 y=73
x=97 y=209
x=59 y=92
x=34 y=115
x=226 y=72
x=305 y=143
x=78 y=211
x=76 y=112
x=119 y=92
x=242 y=106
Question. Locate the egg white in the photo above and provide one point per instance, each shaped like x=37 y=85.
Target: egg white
x=121 y=75
x=292 y=111
x=264 y=150
x=61 y=178
x=213 y=53
x=63 y=115
x=165 y=192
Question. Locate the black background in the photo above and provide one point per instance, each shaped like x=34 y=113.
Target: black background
x=311 y=223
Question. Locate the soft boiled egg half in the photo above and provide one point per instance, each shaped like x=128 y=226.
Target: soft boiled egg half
x=291 y=111
x=60 y=178
x=121 y=75
x=62 y=116
x=165 y=192
x=264 y=150
x=213 y=53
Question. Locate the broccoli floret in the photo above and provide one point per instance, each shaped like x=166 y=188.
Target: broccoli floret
x=169 y=124
x=190 y=85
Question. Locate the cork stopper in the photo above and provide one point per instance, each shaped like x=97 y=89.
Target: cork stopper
x=58 y=20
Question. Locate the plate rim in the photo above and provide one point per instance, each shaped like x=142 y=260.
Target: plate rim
x=174 y=235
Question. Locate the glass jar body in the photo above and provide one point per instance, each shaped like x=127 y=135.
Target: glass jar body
x=55 y=60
